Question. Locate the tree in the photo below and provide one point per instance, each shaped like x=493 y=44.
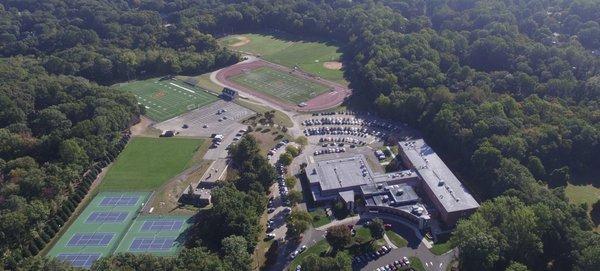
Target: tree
x=338 y=237
x=297 y=223
x=285 y=159
x=293 y=151
x=290 y=182
x=559 y=176
x=199 y=259
x=377 y=228
x=235 y=253
x=595 y=213
x=71 y=153
x=515 y=266
x=295 y=197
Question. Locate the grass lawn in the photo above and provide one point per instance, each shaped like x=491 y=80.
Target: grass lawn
x=203 y=81
x=317 y=249
x=416 y=263
x=322 y=247
x=441 y=248
x=319 y=218
x=282 y=85
x=398 y=240
x=579 y=194
x=310 y=56
x=147 y=163
x=279 y=118
x=165 y=99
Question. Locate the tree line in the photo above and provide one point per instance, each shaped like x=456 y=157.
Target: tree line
x=506 y=91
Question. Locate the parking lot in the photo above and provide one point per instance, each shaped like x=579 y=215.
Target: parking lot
x=208 y=120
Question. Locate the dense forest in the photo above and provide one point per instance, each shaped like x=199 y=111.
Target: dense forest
x=508 y=91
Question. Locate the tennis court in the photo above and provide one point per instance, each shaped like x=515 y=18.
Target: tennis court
x=159 y=235
x=282 y=85
x=165 y=99
x=99 y=228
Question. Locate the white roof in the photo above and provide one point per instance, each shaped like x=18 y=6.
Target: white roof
x=449 y=191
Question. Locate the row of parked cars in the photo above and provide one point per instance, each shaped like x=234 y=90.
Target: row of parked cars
x=371 y=256
x=355 y=131
x=278 y=146
x=400 y=264
x=384 y=125
x=330 y=150
x=331 y=120
x=342 y=140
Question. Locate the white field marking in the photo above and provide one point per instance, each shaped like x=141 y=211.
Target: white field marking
x=184 y=88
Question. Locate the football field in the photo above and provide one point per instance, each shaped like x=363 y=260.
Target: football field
x=285 y=86
x=165 y=99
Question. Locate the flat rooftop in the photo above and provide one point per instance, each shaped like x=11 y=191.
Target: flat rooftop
x=449 y=191
x=336 y=174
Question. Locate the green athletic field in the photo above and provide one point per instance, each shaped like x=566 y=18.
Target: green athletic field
x=137 y=231
x=282 y=85
x=165 y=99
x=81 y=226
x=307 y=55
x=146 y=163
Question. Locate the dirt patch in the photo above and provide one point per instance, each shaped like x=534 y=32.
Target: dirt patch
x=141 y=127
x=333 y=65
x=159 y=94
x=242 y=40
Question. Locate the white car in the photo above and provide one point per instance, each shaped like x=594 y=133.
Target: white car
x=302 y=248
x=293 y=254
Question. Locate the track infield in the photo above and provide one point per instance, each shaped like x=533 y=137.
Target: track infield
x=147 y=163
x=265 y=80
x=279 y=84
x=165 y=99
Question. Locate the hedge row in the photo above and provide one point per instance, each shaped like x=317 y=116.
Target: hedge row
x=68 y=206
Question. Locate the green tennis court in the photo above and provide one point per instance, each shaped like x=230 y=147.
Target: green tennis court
x=100 y=227
x=165 y=99
x=159 y=235
x=282 y=85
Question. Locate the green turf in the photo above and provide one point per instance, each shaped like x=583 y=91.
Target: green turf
x=579 y=194
x=441 y=248
x=165 y=99
x=136 y=231
x=320 y=218
x=282 y=85
x=416 y=264
x=398 y=240
x=317 y=249
x=80 y=225
x=146 y=163
x=307 y=55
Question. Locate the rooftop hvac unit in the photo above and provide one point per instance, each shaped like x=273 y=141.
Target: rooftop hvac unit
x=399 y=192
x=441 y=183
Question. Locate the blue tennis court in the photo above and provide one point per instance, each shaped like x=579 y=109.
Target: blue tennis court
x=119 y=201
x=162 y=225
x=84 y=260
x=107 y=217
x=152 y=244
x=98 y=239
